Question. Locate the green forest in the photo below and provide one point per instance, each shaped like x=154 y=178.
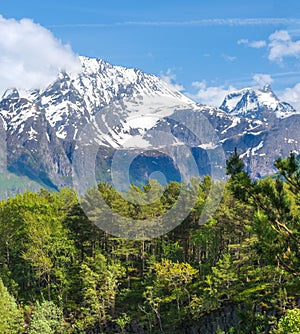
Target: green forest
x=60 y=273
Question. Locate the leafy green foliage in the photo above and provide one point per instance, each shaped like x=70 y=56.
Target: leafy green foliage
x=47 y=318
x=80 y=279
x=10 y=315
x=289 y=323
x=99 y=283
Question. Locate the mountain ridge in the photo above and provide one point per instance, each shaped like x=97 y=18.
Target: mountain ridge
x=115 y=108
x=255 y=103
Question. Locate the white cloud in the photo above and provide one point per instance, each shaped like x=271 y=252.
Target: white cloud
x=281 y=46
x=213 y=95
x=197 y=23
x=292 y=96
x=243 y=41
x=30 y=56
x=229 y=58
x=262 y=79
x=253 y=44
x=257 y=44
x=170 y=78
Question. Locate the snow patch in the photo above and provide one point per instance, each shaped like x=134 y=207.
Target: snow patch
x=32 y=134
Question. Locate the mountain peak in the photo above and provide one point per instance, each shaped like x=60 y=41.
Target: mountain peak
x=267 y=88
x=93 y=65
x=11 y=94
x=256 y=103
x=74 y=99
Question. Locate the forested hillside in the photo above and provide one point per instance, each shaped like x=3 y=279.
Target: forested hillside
x=60 y=273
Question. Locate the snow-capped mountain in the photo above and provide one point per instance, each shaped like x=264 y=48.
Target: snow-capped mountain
x=256 y=103
x=74 y=99
x=81 y=122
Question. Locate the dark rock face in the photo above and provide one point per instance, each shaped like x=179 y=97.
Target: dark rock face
x=223 y=319
x=81 y=120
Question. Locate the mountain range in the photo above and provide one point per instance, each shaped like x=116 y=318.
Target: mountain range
x=110 y=123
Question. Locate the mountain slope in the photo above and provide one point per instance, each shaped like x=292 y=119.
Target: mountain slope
x=31 y=145
x=82 y=122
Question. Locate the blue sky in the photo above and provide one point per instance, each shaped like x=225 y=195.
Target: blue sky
x=206 y=47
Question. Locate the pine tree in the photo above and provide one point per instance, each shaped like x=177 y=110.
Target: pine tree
x=277 y=220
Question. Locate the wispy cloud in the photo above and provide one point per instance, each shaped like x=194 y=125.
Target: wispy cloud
x=210 y=95
x=189 y=23
x=170 y=78
x=228 y=57
x=262 y=79
x=292 y=96
x=30 y=56
x=252 y=44
x=281 y=45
